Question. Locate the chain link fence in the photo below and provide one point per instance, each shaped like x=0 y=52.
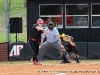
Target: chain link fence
x=16 y=9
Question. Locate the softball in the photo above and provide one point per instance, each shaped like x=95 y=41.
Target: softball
x=63 y=35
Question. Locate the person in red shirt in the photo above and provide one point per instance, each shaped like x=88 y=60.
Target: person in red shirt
x=58 y=20
x=49 y=19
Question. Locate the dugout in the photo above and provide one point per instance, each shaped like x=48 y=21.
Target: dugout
x=84 y=13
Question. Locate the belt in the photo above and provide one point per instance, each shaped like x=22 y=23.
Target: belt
x=32 y=39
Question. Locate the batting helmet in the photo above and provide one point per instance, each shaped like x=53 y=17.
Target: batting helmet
x=40 y=21
x=50 y=25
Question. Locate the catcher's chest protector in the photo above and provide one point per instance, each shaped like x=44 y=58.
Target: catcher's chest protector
x=69 y=48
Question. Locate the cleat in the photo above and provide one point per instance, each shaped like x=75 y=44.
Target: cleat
x=36 y=63
x=78 y=61
x=64 y=62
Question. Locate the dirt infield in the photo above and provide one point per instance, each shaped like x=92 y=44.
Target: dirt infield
x=83 y=68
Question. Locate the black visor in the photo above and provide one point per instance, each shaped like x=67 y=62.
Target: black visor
x=50 y=24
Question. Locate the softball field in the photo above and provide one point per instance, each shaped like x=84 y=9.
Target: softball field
x=50 y=67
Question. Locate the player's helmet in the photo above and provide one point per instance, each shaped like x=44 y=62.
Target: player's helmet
x=40 y=21
x=50 y=25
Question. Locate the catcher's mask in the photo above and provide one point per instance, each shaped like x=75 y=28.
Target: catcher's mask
x=50 y=25
x=72 y=38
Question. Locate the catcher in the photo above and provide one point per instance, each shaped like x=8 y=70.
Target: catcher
x=70 y=48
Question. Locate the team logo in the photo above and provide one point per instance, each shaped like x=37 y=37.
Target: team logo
x=15 y=51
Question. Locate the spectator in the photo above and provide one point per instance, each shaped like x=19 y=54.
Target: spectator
x=58 y=20
x=49 y=19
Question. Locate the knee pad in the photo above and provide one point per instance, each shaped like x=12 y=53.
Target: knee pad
x=73 y=55
x=63 y=56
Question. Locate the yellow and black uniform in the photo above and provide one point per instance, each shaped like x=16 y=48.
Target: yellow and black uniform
x=72 y=51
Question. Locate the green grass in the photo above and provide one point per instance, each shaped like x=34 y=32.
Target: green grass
x=16 y=62
x=16 y=9
x=2 y=6
x=46 y=62
x=14 y=6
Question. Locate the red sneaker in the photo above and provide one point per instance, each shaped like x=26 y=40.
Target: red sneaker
x=36 y=63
